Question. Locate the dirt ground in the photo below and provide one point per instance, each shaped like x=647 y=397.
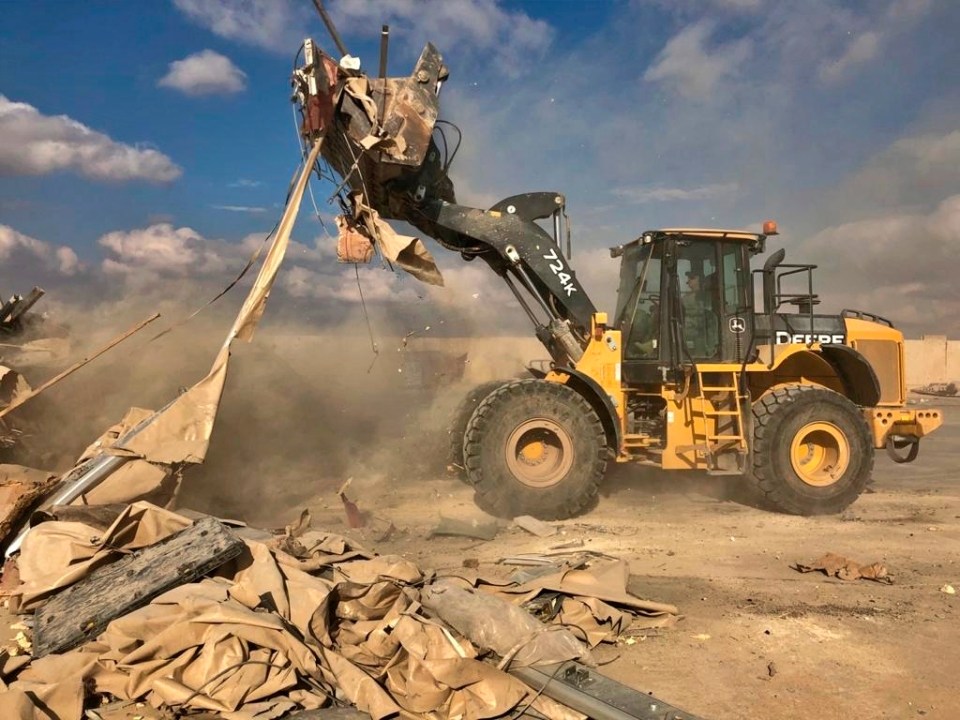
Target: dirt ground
x=758 y=639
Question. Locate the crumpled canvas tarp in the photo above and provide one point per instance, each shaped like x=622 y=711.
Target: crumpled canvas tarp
x=405 y=251
x=260 y=636
x=593 y=601
x=180 y=433
x=182 y=430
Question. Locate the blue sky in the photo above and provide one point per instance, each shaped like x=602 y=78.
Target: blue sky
x=839 y=119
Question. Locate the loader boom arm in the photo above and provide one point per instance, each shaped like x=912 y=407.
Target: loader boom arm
x=528 y=259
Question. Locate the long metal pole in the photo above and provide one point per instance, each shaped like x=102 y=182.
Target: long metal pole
x=331 y=28
x=595 y=695
x=85 y=477
x=73 y=368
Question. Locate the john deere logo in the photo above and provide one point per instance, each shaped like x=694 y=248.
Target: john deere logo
x=738 y=325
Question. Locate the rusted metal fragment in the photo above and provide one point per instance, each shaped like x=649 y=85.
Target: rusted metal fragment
x=379 y=138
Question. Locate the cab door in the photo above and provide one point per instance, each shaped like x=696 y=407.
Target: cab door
x=641 y=313
x=715 y=309
x=736 y=313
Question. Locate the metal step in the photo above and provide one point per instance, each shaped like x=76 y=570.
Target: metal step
x=724 y=472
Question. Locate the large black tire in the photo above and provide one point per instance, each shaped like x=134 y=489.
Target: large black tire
x=812 y=450
x=458 y=426
x=537 y=448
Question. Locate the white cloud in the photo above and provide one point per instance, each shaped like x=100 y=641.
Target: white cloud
x=15 y=245
x=272 y=24
x=918 y=169
x=862 y=49
x=693 y=69
x=510 y=38
x=162 y=250
x=204 y=73
x=245 y=183
x=641 y=195
x=240 y=208
x=901 y=265
x=35 y=144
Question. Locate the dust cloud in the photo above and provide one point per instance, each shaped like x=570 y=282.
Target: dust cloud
x=307 y=405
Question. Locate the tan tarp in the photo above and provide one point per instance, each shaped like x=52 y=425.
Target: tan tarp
x=181 y=432
x=593 y=601
x=55 y=555
x=405 y=251
x=261 y=636
x=353 y=246
x=358 y=88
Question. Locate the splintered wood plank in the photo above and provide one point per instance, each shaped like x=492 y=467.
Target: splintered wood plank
x=84 y=610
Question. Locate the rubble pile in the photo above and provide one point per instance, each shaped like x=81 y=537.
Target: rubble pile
x=298 y=620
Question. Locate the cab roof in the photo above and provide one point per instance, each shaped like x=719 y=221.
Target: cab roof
x=711 y=233
x=757 y=240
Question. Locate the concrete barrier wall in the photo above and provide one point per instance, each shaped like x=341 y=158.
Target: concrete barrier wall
x=932 y=359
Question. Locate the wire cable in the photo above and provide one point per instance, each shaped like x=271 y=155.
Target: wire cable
x=246 y=268
x=449 y=162
x=337 y=194
x=366 y=317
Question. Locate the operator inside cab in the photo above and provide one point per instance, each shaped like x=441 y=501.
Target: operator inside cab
x=700 y=318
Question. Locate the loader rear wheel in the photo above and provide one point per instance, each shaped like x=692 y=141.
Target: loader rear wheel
x=537 y=448
x=458 y=425
x=812 y=452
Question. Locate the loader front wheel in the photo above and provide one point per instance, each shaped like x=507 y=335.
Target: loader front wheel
x=812 y=452
x=537 y=448
x=458 y=425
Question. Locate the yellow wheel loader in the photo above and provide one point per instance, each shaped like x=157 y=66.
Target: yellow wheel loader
x=691 y=371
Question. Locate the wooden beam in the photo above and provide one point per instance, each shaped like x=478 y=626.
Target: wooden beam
x=84 y=610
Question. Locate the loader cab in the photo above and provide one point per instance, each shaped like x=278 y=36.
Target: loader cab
x=685 y=297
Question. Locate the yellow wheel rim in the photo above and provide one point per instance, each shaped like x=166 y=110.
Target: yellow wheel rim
x=820 y=454
x=539 y=453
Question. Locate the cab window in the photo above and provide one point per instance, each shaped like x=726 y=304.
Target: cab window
x=640 y=317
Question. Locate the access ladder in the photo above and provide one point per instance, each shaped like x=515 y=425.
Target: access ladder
x=725 y=416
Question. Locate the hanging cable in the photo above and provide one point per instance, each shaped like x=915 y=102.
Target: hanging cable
x=356 y=270
x=366 y=317
x=449 y=161
x=246 y=268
